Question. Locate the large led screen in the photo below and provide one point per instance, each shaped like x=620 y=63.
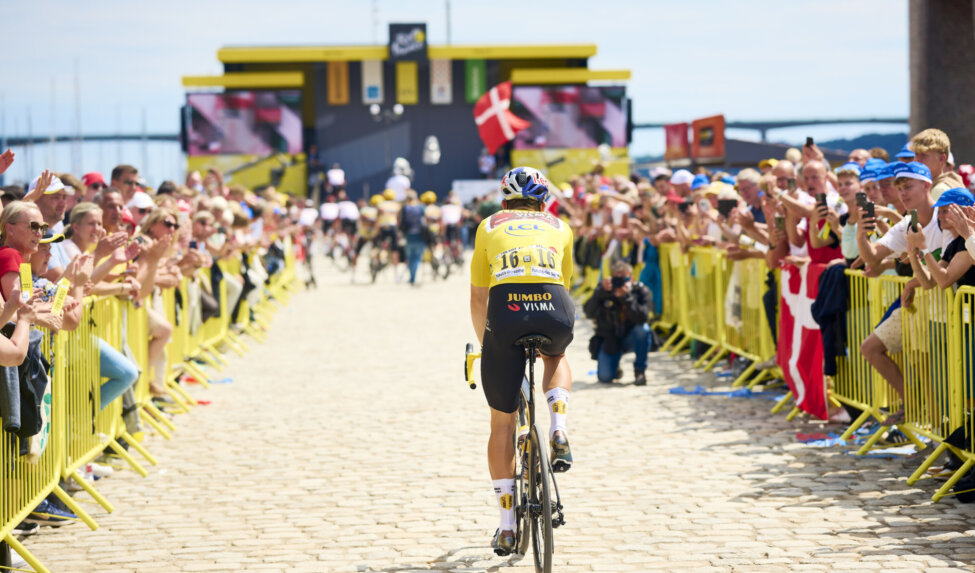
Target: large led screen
x=577 y=117
x=244 y=123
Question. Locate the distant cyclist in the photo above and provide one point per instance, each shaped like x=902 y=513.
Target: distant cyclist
x=520 y=272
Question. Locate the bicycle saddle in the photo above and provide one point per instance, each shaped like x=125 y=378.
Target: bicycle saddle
x=533 y=341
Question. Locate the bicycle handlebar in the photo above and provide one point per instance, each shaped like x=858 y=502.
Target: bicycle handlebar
x=470 y=357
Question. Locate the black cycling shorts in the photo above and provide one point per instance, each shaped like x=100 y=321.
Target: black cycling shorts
x=452 y=233
x=390 y=236
x=349 y=227
x=514 y=311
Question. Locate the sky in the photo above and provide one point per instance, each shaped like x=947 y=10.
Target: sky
x=749 y=60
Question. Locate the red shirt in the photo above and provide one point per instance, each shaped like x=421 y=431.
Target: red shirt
x=823 y=255
x=10 y=261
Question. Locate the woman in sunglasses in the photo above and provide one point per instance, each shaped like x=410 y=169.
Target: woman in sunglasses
x=21 y=229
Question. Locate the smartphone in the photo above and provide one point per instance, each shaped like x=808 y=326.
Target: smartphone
x=821 y=202
x=726 y=206
x=870 y=212
x=913 y=213
x=704 y=205
x=192 y=244
x=780 y=222
x=791 y=184
x=683 y=207
x=809 y=142
x=861 y=199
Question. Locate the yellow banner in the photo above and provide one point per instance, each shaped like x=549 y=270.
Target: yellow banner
x=560 y=165
x=254 y=171
x=338 y=83
x=407 y=83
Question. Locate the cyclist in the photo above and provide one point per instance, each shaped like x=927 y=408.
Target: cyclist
x=348 y=214
x=452 y=214
x=389 y=214
x=431 y=220
x=367 y=229
x=520 y=272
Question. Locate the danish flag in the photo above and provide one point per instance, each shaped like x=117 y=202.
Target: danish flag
x=800 y=345
x=495 y=123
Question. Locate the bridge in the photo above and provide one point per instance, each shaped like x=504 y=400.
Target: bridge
x=765 y=126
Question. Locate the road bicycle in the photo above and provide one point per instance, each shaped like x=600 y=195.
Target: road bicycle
x=537 y=513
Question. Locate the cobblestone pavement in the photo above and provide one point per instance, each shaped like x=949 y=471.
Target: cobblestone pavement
x=349 y=442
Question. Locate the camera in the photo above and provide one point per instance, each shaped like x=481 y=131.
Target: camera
x=618 y=282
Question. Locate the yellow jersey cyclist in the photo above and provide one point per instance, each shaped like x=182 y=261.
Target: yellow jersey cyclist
x=520 y=273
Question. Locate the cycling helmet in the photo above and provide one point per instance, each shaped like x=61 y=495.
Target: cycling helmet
x=429 y=197
x=389 y=194
x=524 y=182
x=375 y=200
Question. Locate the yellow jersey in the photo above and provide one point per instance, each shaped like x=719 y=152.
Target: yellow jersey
x=522 y=247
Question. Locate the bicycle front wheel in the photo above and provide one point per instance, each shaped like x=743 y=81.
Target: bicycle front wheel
x=540 y=503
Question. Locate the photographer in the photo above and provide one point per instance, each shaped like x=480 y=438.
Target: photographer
x=620 y=309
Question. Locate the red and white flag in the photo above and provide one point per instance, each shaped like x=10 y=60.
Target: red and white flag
x=800 y=347
x=496 y=124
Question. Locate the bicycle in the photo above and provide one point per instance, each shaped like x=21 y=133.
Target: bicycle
x=536 y=514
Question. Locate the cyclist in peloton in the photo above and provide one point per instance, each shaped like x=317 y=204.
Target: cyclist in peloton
x=520 y=273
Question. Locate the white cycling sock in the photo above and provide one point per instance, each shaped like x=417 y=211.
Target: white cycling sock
x=558 y=404
x=504 y=489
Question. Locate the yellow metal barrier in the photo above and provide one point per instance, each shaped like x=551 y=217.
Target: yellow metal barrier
x=674 y=294
x=704 y=311
x=749 y=336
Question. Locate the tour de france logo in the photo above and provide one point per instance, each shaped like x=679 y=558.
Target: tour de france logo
x=507 y=501
x=406 y=43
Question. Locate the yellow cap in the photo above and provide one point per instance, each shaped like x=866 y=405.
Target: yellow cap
x=428 y=197
x=375 y=200
x=389 y=194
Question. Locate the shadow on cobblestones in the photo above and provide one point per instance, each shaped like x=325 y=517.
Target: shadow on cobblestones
x=815 y=488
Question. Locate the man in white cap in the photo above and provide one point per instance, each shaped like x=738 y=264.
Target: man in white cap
x=52 y=204
x=681 y=181
x=140 y=205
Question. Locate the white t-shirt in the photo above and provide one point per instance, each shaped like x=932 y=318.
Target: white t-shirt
x=451 y=214
x=399 y=184
x=307 y=217
x=329 y=211
x=348 y=211
x=336 y=177
x=896 y=237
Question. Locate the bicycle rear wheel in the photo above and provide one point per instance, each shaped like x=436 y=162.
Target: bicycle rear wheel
x=522 y=463
x=540 y=503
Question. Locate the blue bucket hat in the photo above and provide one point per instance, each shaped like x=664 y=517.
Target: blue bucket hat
x=905 y=152
x=917 y=171
x=868 y=175
x=874 y=163
x=956 y=196
x=897 y=168
x=700 y=181
x=729 y=180
x=885 y=172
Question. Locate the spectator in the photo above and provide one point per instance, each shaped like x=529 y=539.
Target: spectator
x=94 y=183
x=620 y=313
x=139 y=206
x=859 y=156
x=680 y=182
x=932 y=148
x=412 y=225
x=125 y=178
x=914 y=185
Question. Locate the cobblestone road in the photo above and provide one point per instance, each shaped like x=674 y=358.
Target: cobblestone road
x=348 y=442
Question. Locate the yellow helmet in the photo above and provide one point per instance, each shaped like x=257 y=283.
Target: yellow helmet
x=428 y=197
x=375 y=200
x=389 y=194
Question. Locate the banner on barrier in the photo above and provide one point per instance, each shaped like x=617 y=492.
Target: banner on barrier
x=800 y=345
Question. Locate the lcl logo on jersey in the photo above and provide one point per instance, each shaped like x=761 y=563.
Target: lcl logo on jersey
x=522 y=229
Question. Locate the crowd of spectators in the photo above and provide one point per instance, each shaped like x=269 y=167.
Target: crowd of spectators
x=790 y=212
x=120 y=237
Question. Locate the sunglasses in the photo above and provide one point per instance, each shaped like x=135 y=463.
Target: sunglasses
x=171 y=225
x=36 y=227
x=98 y=186
x=143 y=211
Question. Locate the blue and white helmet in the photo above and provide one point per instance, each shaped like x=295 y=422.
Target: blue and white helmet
x=524 y=182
